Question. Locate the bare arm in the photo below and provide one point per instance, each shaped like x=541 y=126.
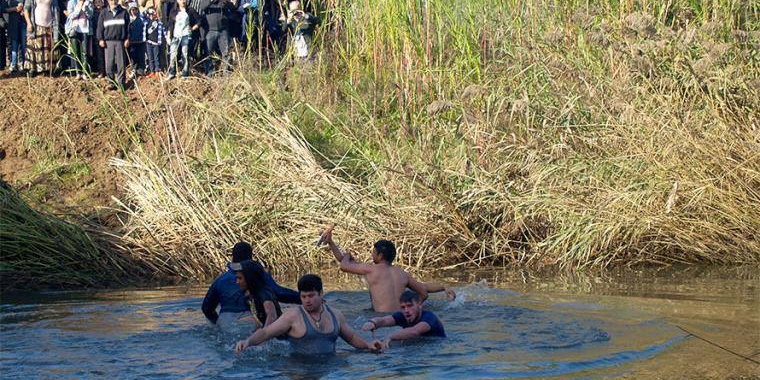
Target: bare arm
x=378 y=322
x=28 y=17
x=270 y=311
x=326 y=237
x=437 y=288
x=351 y=337
x=278 y=327
x=418 y=287
x=347 y=263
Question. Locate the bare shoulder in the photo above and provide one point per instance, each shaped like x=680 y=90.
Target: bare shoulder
x=291 y=313
x=400 y=273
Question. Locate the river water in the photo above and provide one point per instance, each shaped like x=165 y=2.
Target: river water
x=504 y=324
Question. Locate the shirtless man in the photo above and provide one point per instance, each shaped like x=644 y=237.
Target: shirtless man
x=386 y=282
x=312 y=328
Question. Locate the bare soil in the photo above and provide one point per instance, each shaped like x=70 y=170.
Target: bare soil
x=57 y=134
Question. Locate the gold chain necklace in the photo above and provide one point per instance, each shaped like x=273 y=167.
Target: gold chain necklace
x=317 y=321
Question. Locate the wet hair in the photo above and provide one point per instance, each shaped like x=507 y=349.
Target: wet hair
x=386 y=249
x=253 y=272
x=409 y=296
x=310 y=282
x=242 y=251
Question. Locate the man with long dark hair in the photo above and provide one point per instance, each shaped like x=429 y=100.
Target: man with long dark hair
x=225 y=292
x=250 y=278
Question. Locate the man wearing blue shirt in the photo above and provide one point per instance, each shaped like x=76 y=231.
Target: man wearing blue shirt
x=413 y=320
x=225 y=291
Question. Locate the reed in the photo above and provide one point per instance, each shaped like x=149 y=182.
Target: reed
x=38 y=249
x=538 y=133
x=497 y=132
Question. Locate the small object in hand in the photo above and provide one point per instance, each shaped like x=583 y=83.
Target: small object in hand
x=321 y=238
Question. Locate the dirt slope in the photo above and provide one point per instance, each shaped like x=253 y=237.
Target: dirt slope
x=57 y=134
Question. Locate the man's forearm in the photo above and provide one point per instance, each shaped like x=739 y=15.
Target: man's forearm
x=258 y=337
x=403 y=334
x=337 y=252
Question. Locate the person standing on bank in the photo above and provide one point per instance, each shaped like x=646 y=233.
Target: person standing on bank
x=413 y=320
x=311 y=329
x=183 y=21
x=42 y=20
x=138 y=26
x=79 y=31
x=16 y=33
x=217 y=15
x=301 y=26
x=155 y=36
x=113 y=36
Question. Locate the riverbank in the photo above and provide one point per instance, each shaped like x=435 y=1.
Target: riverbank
x=536 y=135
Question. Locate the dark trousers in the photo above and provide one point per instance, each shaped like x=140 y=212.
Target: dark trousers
x=197 y=48
x=115 y=55
x=217 y=41
x=137 y=57
x=154 y=58
x=98 y=58
x=3 y=47
x=78 y=53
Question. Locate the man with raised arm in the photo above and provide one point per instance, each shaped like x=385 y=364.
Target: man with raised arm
x=386 y=282
x=312 y=328
x=413 y=320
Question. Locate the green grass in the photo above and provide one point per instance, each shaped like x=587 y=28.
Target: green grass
x=495 y=132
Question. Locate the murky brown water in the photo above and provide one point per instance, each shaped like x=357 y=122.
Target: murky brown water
x=505 y=324
x=721 y=305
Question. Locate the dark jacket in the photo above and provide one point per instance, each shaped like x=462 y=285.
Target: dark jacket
x=155 y=33
x=138 y=29
x=113 y=26
x=225 y=292
x=217 y=15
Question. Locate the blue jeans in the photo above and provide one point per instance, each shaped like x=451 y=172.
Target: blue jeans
x=18 y=49
x=217 y=41
x=154 y=60
x=177 y=44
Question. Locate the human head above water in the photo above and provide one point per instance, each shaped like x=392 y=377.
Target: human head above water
x=242 y=251
x=310 y=283
x=409 y=296
x=294 y=5
x=386 y=249
x=249 y=274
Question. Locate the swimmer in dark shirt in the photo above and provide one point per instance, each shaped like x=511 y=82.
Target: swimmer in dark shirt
x=413 y=320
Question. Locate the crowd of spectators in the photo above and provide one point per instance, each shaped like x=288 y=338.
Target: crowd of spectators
x=122 y=40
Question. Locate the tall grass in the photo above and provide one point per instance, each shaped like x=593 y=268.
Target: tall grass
x=38 y=249
x=493 y=132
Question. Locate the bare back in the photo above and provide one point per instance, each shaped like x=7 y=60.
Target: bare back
x=386 y=283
